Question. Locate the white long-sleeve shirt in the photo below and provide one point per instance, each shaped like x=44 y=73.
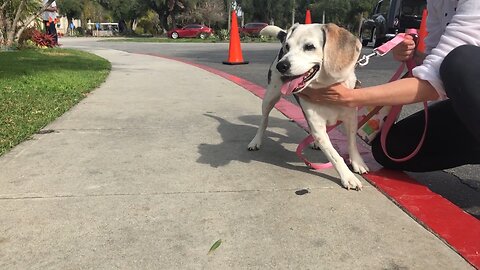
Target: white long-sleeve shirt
x=450 y=23
x=47 y=15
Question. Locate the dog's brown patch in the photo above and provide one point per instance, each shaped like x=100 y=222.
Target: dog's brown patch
x=341 y=48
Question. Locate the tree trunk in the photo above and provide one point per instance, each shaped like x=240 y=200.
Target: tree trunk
x=11 y=29
x=2 y=21
x=10 y=38
x=163 y=21
x=360 y=25
x=174 y=21
x=11 y=26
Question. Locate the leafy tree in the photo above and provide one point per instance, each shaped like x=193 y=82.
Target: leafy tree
x=278 y=12
x=167 y=10
x=346 y=13
x=149 y=23
x=125 y=11
x=358 y=11
x=93 y=11
x=335 y=11
x=71 y=8
x=16 y=16
x=206 y=12
x=343 y=12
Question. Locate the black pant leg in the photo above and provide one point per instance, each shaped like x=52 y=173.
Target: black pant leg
x=447 y=143
x=460 y=73
x=453 y=136
x=51 y=29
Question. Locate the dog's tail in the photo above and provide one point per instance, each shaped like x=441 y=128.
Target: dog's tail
x=274 y=31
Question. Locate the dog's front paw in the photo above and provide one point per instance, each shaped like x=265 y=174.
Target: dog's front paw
x=254 y=145
x=359 y=166
x=351 y=182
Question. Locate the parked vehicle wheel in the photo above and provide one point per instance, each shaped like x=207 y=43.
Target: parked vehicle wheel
x=174 y=35
x=364 y=40
x=378 y=42
x=374 y=37
x=202 y=35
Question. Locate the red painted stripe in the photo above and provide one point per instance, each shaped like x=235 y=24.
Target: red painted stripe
x=458 y=229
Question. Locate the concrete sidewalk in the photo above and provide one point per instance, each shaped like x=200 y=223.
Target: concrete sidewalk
x=151 y=169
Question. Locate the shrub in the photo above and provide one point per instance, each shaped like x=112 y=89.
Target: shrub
x=267 y=39
x=79 y=31
x=246 y=38
x=139 y=30
x=223 y=34
x=42 y=39
x=26 y=35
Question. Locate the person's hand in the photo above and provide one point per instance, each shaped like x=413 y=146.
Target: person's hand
x=405 y=50
x=335 y=94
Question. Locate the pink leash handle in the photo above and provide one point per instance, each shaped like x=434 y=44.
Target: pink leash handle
x=393 y=116
x=395 y=112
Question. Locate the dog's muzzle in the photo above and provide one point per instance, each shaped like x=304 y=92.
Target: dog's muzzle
x=283 y=66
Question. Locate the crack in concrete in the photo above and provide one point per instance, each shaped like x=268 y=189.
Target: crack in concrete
x=73 y=196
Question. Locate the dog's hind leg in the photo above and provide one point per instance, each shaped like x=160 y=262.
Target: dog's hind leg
x=356 y=159
x=272 y=96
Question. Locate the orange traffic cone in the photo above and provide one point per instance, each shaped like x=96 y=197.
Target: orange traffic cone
x=422 y=32
x=308 y=17
x=235 y=51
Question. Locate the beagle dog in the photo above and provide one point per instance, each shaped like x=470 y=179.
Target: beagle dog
x=316 y=56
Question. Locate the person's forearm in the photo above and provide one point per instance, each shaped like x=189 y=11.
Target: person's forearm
x=404 y=91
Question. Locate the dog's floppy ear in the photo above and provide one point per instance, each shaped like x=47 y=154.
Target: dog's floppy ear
x=340 y=51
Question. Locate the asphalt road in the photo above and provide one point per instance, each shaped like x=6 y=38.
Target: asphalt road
x=459 y=185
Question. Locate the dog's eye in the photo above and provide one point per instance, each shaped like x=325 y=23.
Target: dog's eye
x=287 y=47
x=308 y=47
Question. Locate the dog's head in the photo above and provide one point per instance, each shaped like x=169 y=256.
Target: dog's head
x=317 y=53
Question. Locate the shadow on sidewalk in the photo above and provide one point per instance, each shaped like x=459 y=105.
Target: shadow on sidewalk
x=235 y=139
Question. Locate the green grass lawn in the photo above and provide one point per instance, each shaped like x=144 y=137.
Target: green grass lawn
x=37 y=86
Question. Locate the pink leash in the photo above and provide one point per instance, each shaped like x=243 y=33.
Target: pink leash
x=307 y=141
x=395 y=111
x=392 y=116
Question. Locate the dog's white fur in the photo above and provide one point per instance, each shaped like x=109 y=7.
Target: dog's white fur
x=335 y=51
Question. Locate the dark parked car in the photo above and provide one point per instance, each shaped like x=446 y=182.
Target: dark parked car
x=251 y=29
x=390 y=17
x=191 y=30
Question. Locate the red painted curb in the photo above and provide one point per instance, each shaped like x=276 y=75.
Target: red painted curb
x=458 y=229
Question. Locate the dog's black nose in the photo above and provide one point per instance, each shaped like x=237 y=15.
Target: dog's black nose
x=283 y=66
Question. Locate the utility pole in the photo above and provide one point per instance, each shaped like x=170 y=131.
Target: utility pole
x=293 y=13
x=233 y=5
x=229 y=15
x=240 y=14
